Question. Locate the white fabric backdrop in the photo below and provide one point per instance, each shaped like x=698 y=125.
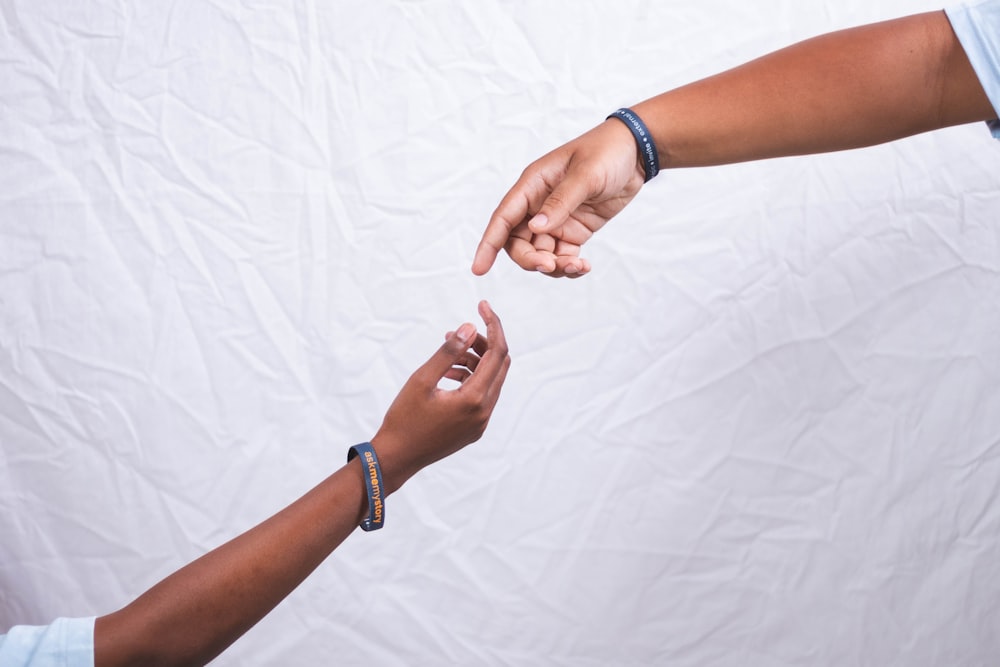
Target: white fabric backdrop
x=765 y=430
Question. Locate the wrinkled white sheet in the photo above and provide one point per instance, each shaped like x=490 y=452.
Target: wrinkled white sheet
x=764 y=431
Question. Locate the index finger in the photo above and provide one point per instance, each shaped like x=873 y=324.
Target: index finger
x=491 y=361
x=511 y=212
x=515 y=208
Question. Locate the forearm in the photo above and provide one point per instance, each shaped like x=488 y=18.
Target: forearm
x=847 y=89
x=195 y=613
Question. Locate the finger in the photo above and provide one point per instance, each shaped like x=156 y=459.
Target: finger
x=512 y=211
x=466 y=364
x=471 y=357
x=568 y=261
x=468 y=360
x=480 y=345
x=447 y=355
x=493 y=359
x=544 y=242
x=567 y=248
x=458 y=374
x=559 y=206
x=570 y=266
x=493 y=392
x=528 y=257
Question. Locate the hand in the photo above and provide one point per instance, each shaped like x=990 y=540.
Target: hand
x=560 y=200
x=426 y=423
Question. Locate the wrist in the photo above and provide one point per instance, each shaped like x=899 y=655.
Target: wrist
x=645 y=146
x=397 y=468
x=623 y=137
x=373 y=517
x=656 y=123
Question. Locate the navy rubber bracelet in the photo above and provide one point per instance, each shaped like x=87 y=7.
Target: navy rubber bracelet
x=372 y=474
x=643 y=139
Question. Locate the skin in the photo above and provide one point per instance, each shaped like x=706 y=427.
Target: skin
x=843 y=90
x=194 y=614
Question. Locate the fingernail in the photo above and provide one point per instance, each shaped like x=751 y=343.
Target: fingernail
x=538 y=223
x=542 y=268
x=571 y=269
x=465 y=332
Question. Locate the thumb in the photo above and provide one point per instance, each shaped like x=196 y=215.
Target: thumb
x=560 y=205
x=448 y=354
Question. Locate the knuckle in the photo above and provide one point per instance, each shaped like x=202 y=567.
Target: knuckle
x=468 y=404
x=556 y=200
x=476 y=409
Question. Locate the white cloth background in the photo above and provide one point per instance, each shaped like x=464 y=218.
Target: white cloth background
x=764 y=431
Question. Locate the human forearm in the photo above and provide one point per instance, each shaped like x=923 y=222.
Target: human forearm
x=195 y=613
x=846 y=89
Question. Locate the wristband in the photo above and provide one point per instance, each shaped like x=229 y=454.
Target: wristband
x=372 y=474
x=643 y=139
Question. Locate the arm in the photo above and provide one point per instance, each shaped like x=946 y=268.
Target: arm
x=842 y=90
x=194 y=614
x=846 y=89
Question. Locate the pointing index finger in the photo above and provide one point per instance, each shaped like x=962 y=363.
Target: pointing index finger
x=509 y=214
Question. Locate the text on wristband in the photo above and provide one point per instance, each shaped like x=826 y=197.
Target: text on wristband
x=376 y=490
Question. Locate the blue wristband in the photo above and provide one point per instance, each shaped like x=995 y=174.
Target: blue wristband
x=372 y=474
x=643 y=139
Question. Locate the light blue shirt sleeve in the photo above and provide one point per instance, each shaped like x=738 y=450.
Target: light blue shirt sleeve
x=68 y=642
x=977 y=26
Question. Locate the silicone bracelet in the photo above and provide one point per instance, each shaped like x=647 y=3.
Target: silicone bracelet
x=372 y=474
x=643 y=139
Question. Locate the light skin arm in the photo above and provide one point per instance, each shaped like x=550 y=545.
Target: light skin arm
x=847 y=89
x=194 y=614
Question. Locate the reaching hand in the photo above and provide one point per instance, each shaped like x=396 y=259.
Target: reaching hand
x=194 y=614
x=426 y=423
x=560 y=200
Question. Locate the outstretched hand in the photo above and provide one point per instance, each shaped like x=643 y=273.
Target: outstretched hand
x=426 y=423
x=560 y=200
x=191 y=616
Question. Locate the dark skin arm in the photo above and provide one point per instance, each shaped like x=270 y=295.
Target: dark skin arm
x=194 y=614
x=847 y=89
